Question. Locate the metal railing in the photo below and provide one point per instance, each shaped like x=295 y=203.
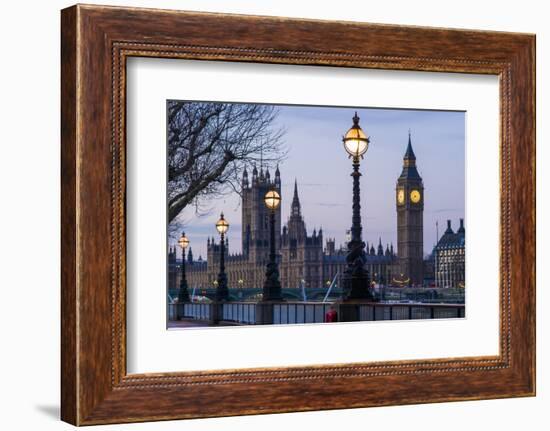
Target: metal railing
x=300 y=312
x=189 y=310
x=381 y=311
x=246 y=313
x=240 y=312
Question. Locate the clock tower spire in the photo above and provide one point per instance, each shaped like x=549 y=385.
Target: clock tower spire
x=410 y=214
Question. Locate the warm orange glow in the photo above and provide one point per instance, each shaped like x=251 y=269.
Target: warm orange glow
x=183 y=241
x=272 y=200
x=415 y=196
x=222 y=226
x=355 y=140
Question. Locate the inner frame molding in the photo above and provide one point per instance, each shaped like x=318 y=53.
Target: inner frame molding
x=96 y=42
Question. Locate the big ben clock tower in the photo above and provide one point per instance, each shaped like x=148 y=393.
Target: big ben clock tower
x=410 y=214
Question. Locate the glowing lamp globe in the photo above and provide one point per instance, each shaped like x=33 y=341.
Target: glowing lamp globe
x=272 y=200
x=355 y=141
x=222 y=225
x=183 y=241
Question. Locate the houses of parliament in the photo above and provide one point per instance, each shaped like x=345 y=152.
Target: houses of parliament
x=310 y=259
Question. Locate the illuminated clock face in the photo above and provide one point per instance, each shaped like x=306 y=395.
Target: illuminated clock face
x=415 y=196
x=401 y=196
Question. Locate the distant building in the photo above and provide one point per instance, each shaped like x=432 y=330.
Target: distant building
x=449 y=257
x=306 y=260
x=410 y=215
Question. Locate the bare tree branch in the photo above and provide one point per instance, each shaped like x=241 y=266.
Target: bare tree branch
x=209 y=146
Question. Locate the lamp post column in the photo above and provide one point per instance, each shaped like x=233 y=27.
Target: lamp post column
x=356 y=280
x=272 y=285
x=222 y=292
x=356 y=284
x=271 y=291
x=183 y=294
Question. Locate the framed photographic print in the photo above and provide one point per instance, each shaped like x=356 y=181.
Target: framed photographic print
x=287 y=207
x=280 y=273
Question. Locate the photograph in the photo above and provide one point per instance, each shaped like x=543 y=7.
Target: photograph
x=294 y=214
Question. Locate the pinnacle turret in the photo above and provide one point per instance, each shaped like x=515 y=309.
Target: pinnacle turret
x=295 y=200
x=245 y=178
x=409 y=163
x=409 y=154
x=254 y=174
x=461 y=229
x=277 y=176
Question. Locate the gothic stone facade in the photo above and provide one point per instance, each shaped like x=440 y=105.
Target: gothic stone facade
x=305 y=260
x=410 y=215
x=449 y=257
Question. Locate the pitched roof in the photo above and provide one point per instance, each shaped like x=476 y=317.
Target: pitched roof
x=409 y=154
x=409 y=163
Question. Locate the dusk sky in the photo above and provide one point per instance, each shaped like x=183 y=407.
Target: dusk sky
x=317 y=159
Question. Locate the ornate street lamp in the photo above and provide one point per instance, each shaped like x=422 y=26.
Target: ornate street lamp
x=222 y=293
x=356 y=277
x=272 y=284
x=402 y=281
x=183 y=294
